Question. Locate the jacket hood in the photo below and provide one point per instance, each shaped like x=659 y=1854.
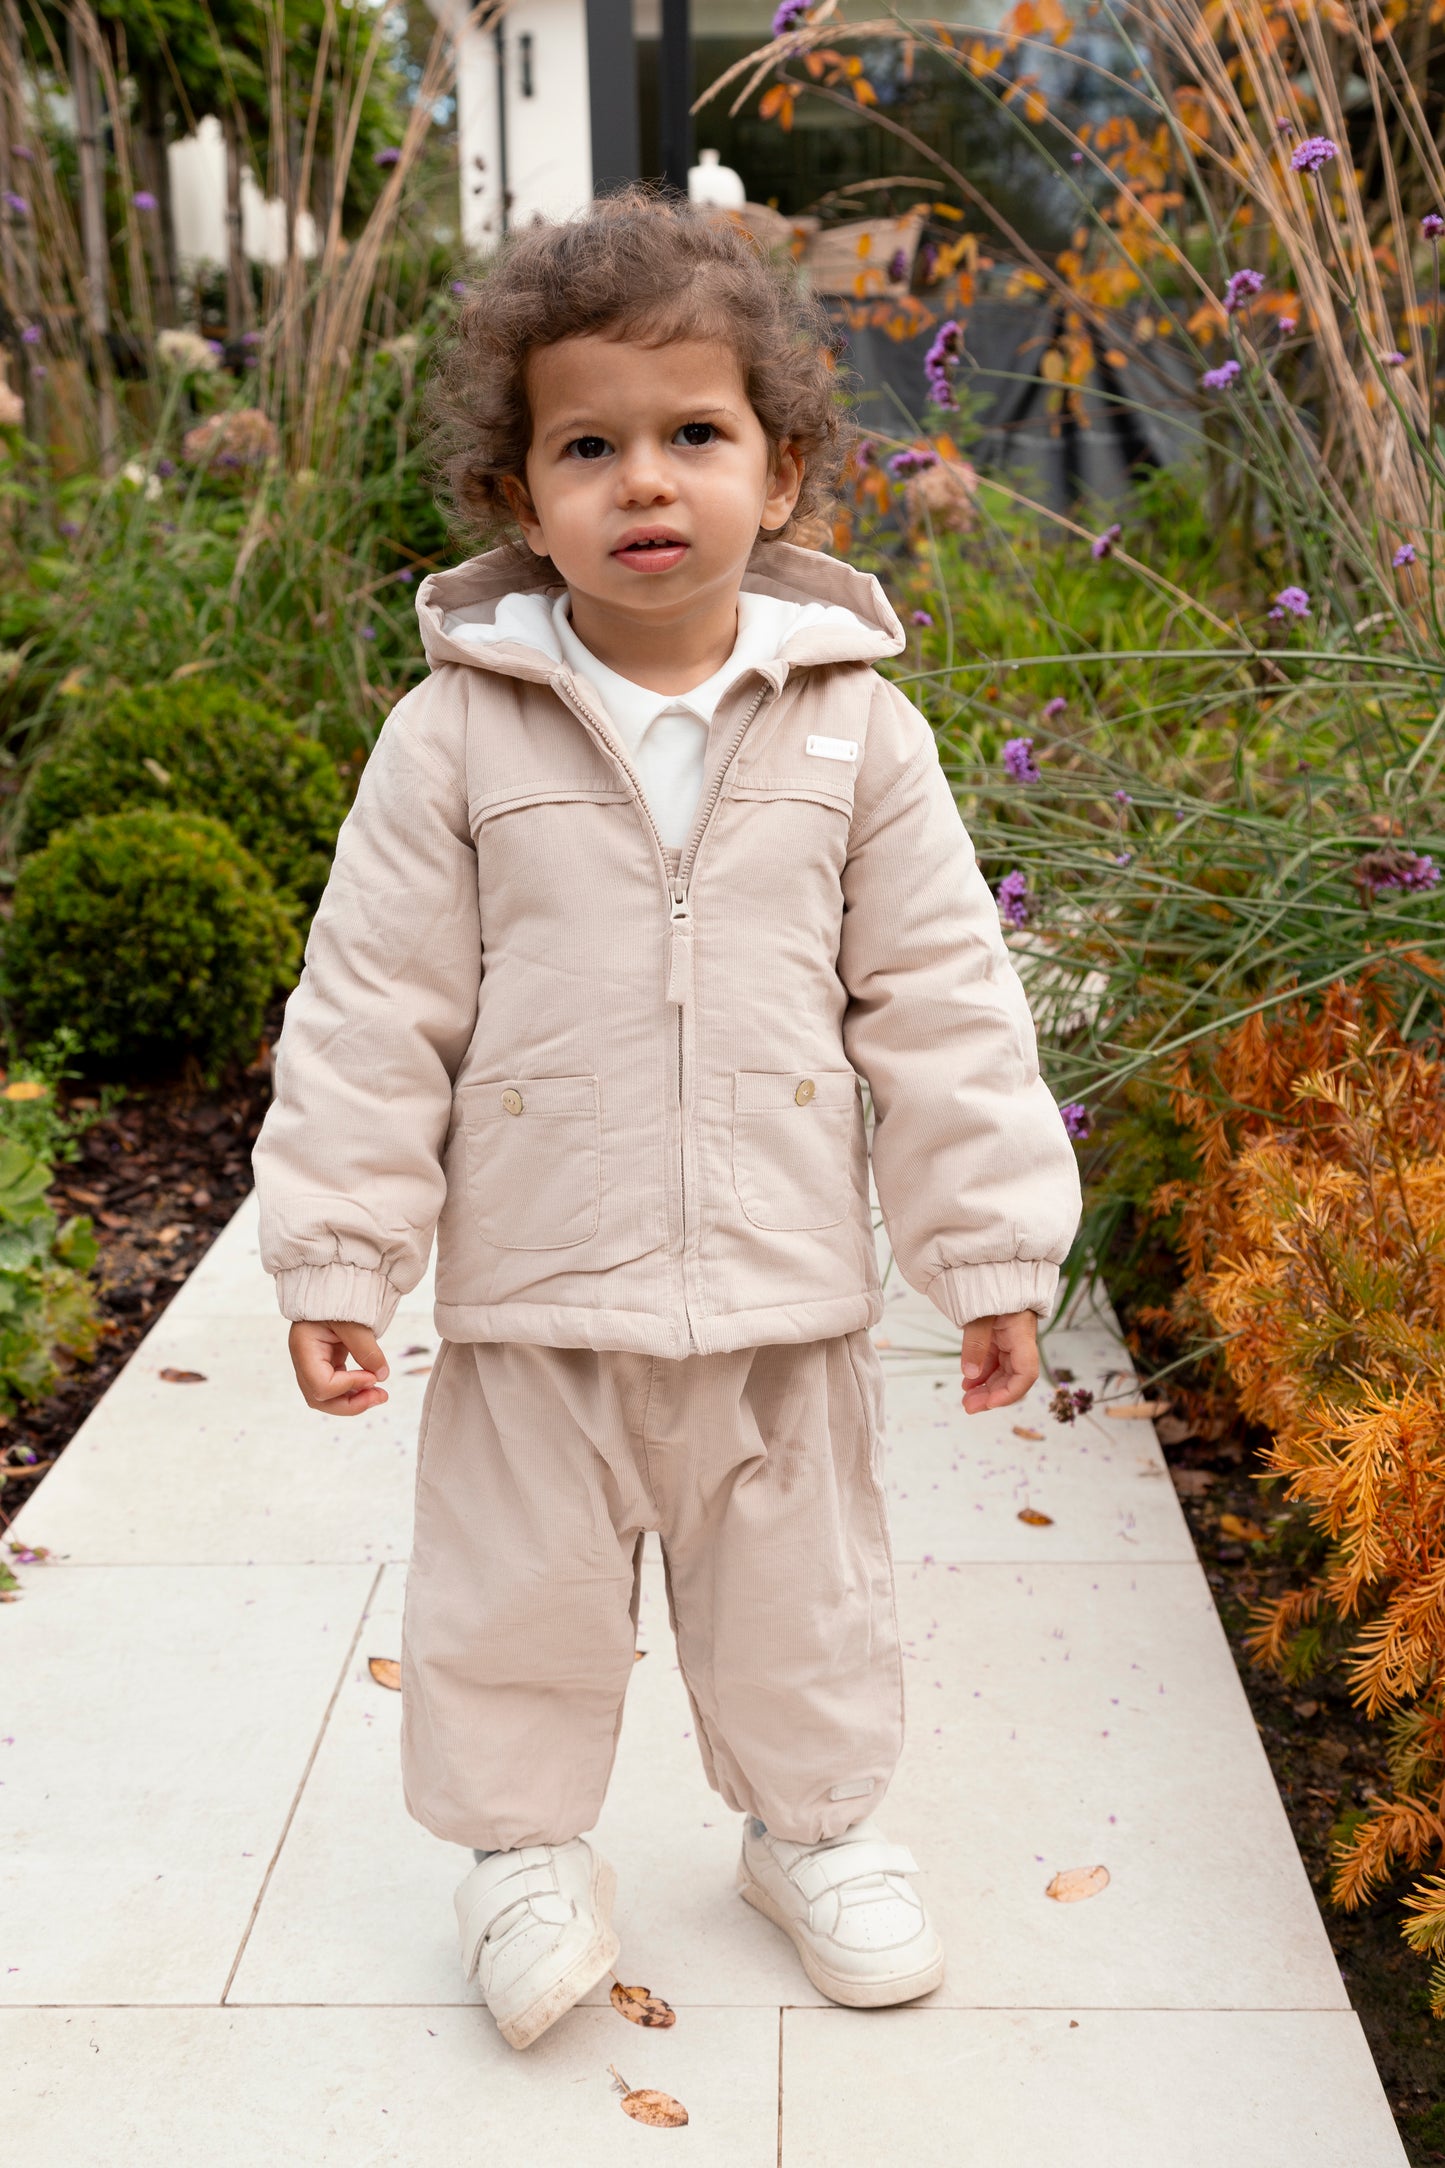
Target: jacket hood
x=469 y=593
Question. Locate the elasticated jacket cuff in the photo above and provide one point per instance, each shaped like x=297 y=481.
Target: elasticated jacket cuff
x=964 y=1292
x=350 y=1293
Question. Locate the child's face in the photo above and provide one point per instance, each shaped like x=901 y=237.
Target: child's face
x=649 y=475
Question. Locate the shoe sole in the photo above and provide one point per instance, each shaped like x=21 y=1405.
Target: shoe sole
x=599 y=1957
x=854 y=1994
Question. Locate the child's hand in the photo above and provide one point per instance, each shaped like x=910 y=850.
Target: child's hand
x=1000 y=1360
x=319 y=1352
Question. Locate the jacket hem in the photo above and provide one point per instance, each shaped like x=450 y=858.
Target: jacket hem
x=645 y=1333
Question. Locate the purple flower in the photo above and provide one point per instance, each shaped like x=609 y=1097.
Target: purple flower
x=789 y=15
x=1291 y=602
x=1019 y=762
x=1432 y=225
x=865 y=452
x=1394 y=868
x=940 y=362
x=1067 y=1405
x=1284 y=124
x=15 y=203
x=1395 y=360
x=1286 y=326
x=921 y=617
x=1121 y=797
x=165 y=468
x=1242 y=287
x=1078 y=1121
x=21 y=152
x=386 y=156
x=902 y=464
x=1314 y=152
x=1123 y=858
x=1404 y=555
x=1221 y=378
x=67 y=527
x=898 y=264
x=1103 y=544
x=31 y=335
x=406 y=575
x=459 y=286
x=368 y=632
x=1076 y=158
x=217 y=348
x=1054 y=707
x=926 y=259
x=144 y=200
x=1013 y=897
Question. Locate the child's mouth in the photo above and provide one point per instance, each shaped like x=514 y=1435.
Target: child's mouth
x=651 y=552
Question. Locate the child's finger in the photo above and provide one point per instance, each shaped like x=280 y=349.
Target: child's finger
x=980 y=1351
x=362 y=1346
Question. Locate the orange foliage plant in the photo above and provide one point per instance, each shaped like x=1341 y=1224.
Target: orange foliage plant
x=1315 y=1245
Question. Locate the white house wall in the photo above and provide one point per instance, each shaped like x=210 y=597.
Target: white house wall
x=198 y=201
x=549 y=133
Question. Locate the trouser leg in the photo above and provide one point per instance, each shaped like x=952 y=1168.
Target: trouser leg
x=767 y=1467
x=522 y=1590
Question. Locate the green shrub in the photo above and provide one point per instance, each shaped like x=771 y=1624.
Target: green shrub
x=46 y=1302
x=155 y=935
x=198 y=748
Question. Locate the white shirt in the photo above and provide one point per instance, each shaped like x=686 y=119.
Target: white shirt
x=665 y=734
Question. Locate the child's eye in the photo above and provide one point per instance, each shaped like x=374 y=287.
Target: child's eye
x=589 y=447
x=697 y=432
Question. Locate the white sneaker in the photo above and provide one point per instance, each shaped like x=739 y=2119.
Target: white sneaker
x=861 y=1932
x=536 y=1929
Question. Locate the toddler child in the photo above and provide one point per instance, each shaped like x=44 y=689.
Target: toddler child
x=638 y=884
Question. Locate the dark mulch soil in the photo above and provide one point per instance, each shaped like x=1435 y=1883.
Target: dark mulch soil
x=159 y=1177
x=1326 y=1760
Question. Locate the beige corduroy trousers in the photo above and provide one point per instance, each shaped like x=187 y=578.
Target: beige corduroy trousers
x=539 y=1471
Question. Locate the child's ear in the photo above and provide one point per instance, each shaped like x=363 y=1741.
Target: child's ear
x=785 y=482
x=520 y=505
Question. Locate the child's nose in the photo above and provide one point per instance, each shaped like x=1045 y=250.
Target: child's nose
x=643 y=479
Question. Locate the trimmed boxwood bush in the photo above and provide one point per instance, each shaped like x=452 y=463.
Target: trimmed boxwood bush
x=196 y=747
x=155 y=935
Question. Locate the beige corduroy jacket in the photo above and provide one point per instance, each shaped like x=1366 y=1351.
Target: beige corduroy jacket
x=627 y=1097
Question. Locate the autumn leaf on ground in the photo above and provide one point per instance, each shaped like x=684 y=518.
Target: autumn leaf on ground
x=1021 y=1430
x=1193 y=1482
x=1230 y=1524
x=647 y=2106
x=418 y=1370
x=385 y=1670
x=641 y=2007
x=183 y=1377
x=1071 y=1884
x=637 y=1655
x=413 y=1351
x=1035 y=1519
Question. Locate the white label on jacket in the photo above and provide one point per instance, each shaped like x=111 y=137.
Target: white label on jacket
x=833 y=748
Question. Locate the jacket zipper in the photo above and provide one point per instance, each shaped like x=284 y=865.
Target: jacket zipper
x=679 y=960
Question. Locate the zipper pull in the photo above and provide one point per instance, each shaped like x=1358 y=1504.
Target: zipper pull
x=679 y=962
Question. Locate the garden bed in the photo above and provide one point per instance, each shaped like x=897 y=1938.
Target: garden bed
x=160 y=1176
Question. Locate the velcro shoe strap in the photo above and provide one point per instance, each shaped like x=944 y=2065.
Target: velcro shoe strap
x=847 y=1863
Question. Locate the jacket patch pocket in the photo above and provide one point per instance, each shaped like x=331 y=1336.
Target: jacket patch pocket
x=793 y=1147
x=534 y=1159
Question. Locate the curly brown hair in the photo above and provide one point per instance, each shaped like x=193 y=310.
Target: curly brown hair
x=636 y=266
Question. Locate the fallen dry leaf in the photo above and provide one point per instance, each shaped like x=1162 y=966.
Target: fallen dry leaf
x=1021 y=1430
x=646 y=2106
x=1035 y=1519
x=1230 y=1524
x=386 y=1671
x=1174 y=1429
x=1138 y=1411
x=1071 y=1884
x=637 y=1655
x=413 y=1351
x=1306 y=1709
x=418 y=1370
x=641 y=2007
x=183 y=1377
x=1193 y=1482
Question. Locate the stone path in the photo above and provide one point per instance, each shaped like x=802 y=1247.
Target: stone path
x=222 y=1941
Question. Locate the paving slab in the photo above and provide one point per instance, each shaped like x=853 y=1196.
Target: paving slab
x=1109 y=2089
x=307 y=2088
x=158 y=1722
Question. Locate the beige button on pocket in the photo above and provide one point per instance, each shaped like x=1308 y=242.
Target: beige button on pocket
x=512 y=1101
x=805 y=1091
